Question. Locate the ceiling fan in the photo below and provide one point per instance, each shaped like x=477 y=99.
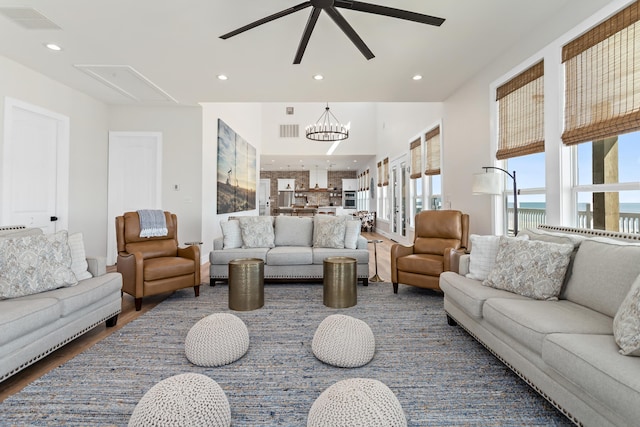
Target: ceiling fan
x=330 y=8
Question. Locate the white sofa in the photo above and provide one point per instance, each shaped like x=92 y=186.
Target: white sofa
x=292 y=252
x=564 y=349
x=35 y=325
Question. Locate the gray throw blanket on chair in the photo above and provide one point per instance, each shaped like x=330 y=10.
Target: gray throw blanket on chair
x=152 y=223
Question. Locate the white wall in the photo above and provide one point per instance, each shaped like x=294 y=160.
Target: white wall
x=246 y=120
x=88 y=146
x=181 y=129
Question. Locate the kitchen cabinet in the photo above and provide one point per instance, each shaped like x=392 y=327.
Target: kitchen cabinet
x=349 y=184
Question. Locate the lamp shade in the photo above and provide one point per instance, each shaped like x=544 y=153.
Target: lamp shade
x=487 y=183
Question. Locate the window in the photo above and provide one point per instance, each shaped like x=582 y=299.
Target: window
x=383 y=185
x=432 y=157
x=415 y=180
x=521 y=143
x=602 y=120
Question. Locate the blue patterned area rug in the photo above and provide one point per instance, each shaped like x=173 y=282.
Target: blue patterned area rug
x=441 y=376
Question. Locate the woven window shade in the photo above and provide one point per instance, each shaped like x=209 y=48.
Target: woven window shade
x=380 y=180
x=432 y=144
x=521 y=114
x=416 y=163
x=366 y=180
x=385 y=164
x=602 y=73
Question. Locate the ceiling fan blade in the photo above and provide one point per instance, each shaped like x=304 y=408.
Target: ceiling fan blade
x=267 y=19
x=311 y=23
x=349 y=31
x=389 y=11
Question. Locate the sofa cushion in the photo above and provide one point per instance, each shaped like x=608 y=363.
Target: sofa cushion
x=290 y=255
x=33 y=264
x=88 y=292
x=257 y=232
x=626 y=323
x=20 y=316
x=429 y=264
x=319 y=254
x=79 y=264
x=593 y=364
x=293 y=231
x=603 y=271
x=329 y=233
x=469 y=294
x=484 y=250
x=531 y=268
x=231 y=234
x=223 y=257
x=529 y=321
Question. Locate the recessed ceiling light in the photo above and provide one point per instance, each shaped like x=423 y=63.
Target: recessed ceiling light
x=53 y=46
x=417 y=77
x=318 y=77
x=222 y=77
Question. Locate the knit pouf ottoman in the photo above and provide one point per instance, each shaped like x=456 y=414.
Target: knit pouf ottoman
x=183 y=400
x=343 y=341
x=216 y=340
x=356 y=402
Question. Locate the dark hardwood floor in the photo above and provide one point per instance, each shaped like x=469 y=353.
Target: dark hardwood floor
x=20 y=380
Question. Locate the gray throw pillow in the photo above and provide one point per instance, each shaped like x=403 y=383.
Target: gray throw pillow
x=257 y=232
x=293 y=231
x=531 y=268
x=626 y=323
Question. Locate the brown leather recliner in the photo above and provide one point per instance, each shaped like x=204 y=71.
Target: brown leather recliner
x=438 y=236
x=154 y=265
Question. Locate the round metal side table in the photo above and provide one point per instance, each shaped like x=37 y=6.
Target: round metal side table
x=246 y=284
x=339 y=282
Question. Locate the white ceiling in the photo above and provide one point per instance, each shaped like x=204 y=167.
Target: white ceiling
x=174 y=49
x=169 y=52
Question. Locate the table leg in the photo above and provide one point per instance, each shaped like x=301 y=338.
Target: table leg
x=375 y=278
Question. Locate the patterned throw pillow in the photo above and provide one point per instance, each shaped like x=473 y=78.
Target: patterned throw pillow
x=329 y=233
x=231 y=234
x=531 y=268
x=33 y=264
x=257 y=232
x=626 y=323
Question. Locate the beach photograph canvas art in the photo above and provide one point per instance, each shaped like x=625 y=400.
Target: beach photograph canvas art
x=236 y=172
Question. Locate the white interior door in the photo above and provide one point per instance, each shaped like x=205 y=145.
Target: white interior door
x=399 y=185
x=35 y=172
x=135 y=178
x=264 y=197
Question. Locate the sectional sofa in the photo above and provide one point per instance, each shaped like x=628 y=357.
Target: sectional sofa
x=36 y=324
x=565 y=346
x=292 y=248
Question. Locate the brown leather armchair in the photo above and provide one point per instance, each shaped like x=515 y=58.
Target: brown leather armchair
x=438 y=236
x=154 y=265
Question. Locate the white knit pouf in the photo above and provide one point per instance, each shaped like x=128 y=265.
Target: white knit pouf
x=357 y=402
x=343 y=341
x=216 y=340
x=183 y=400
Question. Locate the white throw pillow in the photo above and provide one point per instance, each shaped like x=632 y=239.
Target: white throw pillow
x=532 y=268
x=484 y=250
x=351 y=234
x=626 y=323
x=79 y=264
x=231 y=234
x=257 y=232
x=33 y=264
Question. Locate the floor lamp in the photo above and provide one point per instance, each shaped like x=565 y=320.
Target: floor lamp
x=491 y=183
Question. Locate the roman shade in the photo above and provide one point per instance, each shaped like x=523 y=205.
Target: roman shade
x=521 y=114
x=385 y=164
x=432 y=151
x=380 y=174
x=416 y=160
x=602 y=87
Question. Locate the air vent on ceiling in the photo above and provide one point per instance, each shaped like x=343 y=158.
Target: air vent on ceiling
x=289 y=111
x=289 y=131
x=129 y=82
x=29 y=18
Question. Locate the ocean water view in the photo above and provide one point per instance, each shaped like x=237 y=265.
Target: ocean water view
x=624 y=207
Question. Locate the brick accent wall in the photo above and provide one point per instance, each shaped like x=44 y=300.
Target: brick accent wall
x=334 y=179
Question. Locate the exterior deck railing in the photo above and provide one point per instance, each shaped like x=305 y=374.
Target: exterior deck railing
x=530 y=218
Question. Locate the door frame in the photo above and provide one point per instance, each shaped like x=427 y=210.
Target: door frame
x=398 y=197
x=62 y=160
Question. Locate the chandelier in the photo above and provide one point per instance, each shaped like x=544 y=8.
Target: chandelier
x=327 y=128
